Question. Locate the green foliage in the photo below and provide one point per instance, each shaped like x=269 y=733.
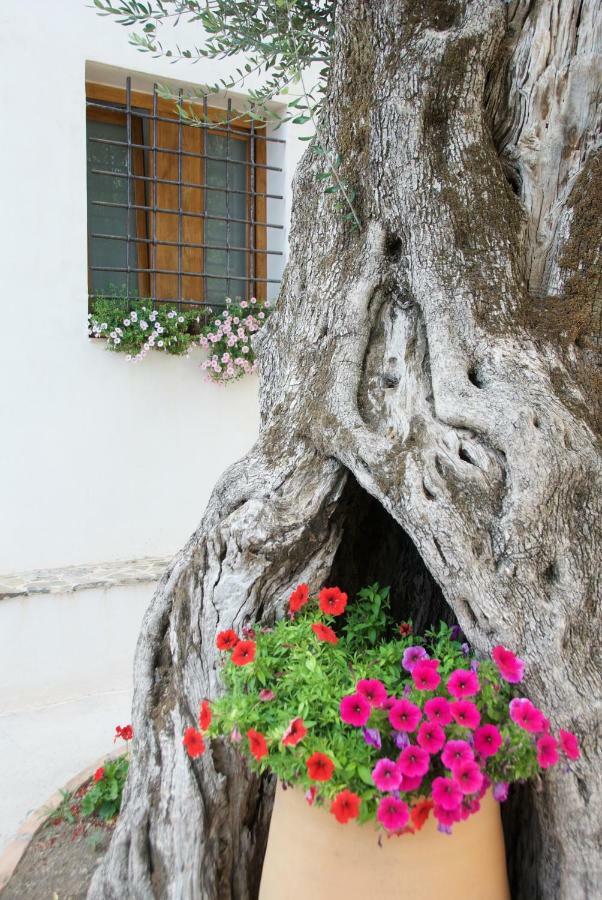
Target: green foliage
x=134 y=326
x=366 y=622
x=64 y=811
x=104 y=796
x=279 y=39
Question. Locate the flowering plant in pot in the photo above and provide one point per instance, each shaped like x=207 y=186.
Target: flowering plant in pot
x=373 y=722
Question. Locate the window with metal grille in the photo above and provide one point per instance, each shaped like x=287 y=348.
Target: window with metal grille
x=177 y=211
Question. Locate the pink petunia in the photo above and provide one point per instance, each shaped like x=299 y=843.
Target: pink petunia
x=266 y=695
x=510 y=667
x=410 y=782
x=438 y=710
x=465 y=713
x=446 y=817
x=431 y=737
x=487 y=740
x=547 y=751
x=404 y=716
x=355 y=710
x=386 y=775
x=456 y=752
x=373 y=690
x=468 y=777
x=425 y=675
x=414 y=762
x=393 y=813
x=527 y=716
x=411 y=656
x=463 y=683
x=569 y=744
x=446 y=793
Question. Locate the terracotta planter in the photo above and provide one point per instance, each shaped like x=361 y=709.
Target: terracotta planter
x=310 y=856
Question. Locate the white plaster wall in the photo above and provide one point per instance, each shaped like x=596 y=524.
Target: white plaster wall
x=100 y=459
x=57 y=648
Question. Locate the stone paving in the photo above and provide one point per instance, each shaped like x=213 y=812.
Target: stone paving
x=79 y=578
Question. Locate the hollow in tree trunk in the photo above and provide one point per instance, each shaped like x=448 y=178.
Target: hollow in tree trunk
x=430 y=412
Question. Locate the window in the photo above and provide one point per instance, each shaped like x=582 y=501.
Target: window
x=176 y=211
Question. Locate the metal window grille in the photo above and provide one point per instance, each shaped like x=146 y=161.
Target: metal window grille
x=162 y=217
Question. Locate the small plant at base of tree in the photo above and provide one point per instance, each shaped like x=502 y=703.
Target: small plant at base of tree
x=374 y=727
x=103 y=798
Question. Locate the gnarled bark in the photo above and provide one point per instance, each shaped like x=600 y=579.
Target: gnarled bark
x=412 y=362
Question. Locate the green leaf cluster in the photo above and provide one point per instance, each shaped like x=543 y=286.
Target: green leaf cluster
x=136 y=326
x=104 y=796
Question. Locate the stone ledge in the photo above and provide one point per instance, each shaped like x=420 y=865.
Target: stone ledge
x=80 y=578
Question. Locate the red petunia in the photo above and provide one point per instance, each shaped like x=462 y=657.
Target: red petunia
x=298 y=598
x=320 y=767
x=194 y=743
x=243 y=653
x=226 y=640
x=258 y=746
x=324 y=633
x=99 y=774
x=205 y=716
x=332 y=601
x=294 y=733
x=345 y=806
x=420 y=813
x=126 y=733
x=405 y=629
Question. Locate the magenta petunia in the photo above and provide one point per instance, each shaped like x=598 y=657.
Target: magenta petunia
x=465 y=713
x=414 y=762
x=425 y=675
x=446 y=793
x=373 y=690
x=456 y=752
x=569 y=744
x=527 y=716
x=431 y=737
x=355 y=710
x=510 y=667
x=447 y=817
x=468 y=777
x=411 y=656
x=386 y=775
x=463 y=683
x=393 y=813
x=487 y=740
x=547 y=751
x=486 y=784
x=410 y=782
x=438 y=710
x=404 y=716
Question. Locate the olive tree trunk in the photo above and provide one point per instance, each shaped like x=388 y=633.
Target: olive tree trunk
x=431 y=375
